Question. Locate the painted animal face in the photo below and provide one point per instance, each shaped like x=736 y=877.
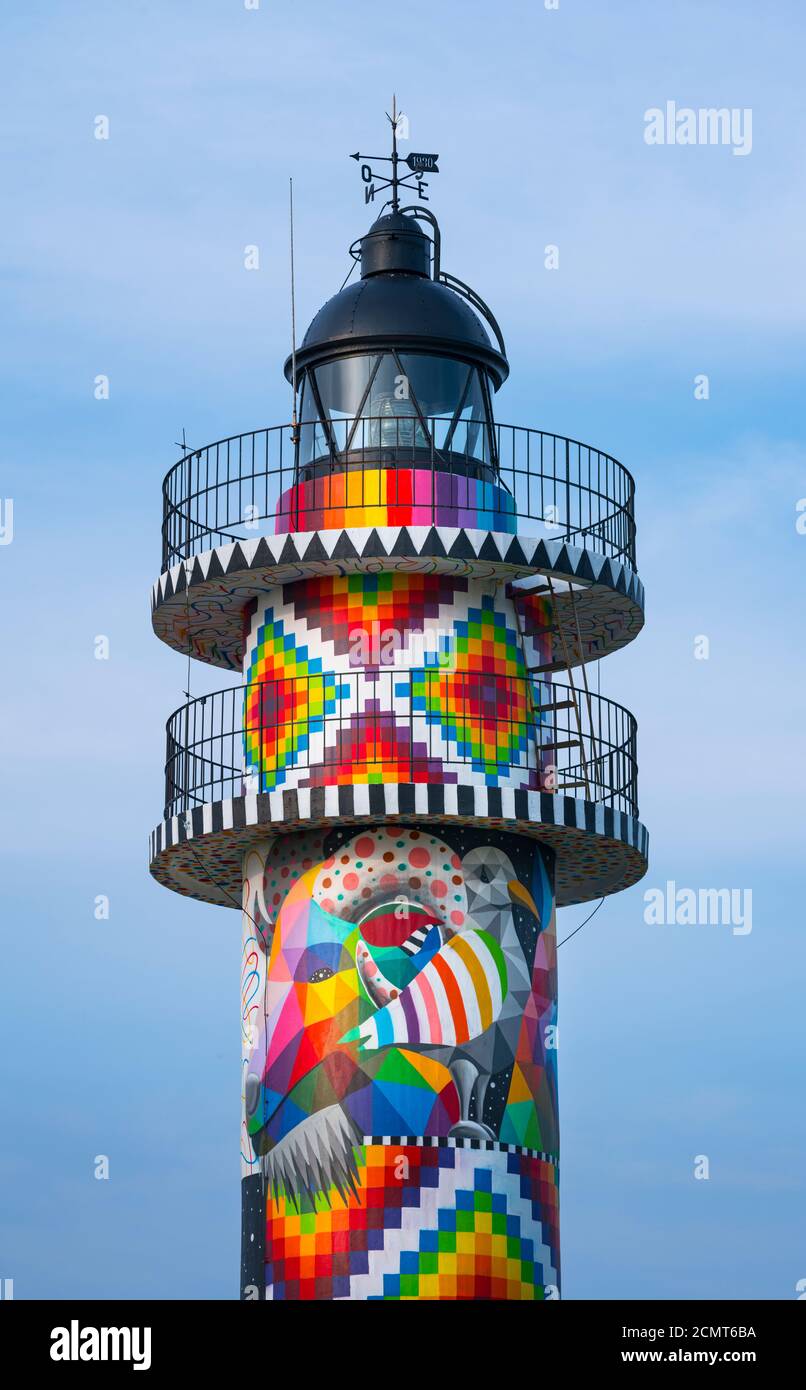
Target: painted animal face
x=312 y=997
x=371 y=970
x=350 y=929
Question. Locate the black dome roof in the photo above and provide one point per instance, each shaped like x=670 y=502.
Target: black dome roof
x=400 y=307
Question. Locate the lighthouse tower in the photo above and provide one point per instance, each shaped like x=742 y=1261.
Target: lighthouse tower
x=409 y=773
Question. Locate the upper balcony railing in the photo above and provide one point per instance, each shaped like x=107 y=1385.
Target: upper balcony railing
x=414 y=726
x=508 y=477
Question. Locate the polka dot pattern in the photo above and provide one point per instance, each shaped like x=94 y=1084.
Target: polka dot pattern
x=393 y=865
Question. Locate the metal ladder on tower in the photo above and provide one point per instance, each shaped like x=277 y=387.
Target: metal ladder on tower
x=556 y=745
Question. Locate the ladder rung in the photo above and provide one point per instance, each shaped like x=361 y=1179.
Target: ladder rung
x=548 y=666
x=556 y=704
x=566 y=786
x=561 y=743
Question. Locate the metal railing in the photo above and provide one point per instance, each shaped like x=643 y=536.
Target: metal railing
x=238 y=488
x=388 y=725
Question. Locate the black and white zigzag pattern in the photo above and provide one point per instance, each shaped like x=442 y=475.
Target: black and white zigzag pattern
x=303 y=548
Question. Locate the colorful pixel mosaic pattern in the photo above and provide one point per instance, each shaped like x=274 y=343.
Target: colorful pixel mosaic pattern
x=479 y=696
x=395 y=497
x=379 y=678
x=286 y=705
x=422 y=1223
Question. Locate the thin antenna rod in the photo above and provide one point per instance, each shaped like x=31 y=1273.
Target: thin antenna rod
x=294 y=430
x=393 y=119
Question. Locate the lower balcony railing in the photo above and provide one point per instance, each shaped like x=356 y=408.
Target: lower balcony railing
x=432 y=725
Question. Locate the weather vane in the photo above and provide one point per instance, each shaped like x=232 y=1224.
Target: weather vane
x=418 y=164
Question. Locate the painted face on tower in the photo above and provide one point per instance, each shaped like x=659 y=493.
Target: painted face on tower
x=350 y=934
x=395 y=984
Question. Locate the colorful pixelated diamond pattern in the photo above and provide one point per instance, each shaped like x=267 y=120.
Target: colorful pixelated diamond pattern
x=287 y=700
x=487 y=717
x=339 y=691
x=423 y=1223
x=361 y=614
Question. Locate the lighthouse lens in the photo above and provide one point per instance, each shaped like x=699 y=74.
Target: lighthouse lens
x=409 y=401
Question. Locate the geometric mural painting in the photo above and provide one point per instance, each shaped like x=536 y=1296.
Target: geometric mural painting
x=378 y=678
x=461 y=1224
x=399 y=1058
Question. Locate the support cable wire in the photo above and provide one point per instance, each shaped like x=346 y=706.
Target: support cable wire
x=581 y=925
x=347 y=276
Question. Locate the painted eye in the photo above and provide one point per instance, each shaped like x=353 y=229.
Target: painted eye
x=323 y=973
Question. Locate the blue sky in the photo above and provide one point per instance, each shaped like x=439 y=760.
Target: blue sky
x=125 y=257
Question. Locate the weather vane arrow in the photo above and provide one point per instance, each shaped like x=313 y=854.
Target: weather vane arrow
x=417 y=163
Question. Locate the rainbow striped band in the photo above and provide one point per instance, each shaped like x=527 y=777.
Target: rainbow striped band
x=395 y=497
